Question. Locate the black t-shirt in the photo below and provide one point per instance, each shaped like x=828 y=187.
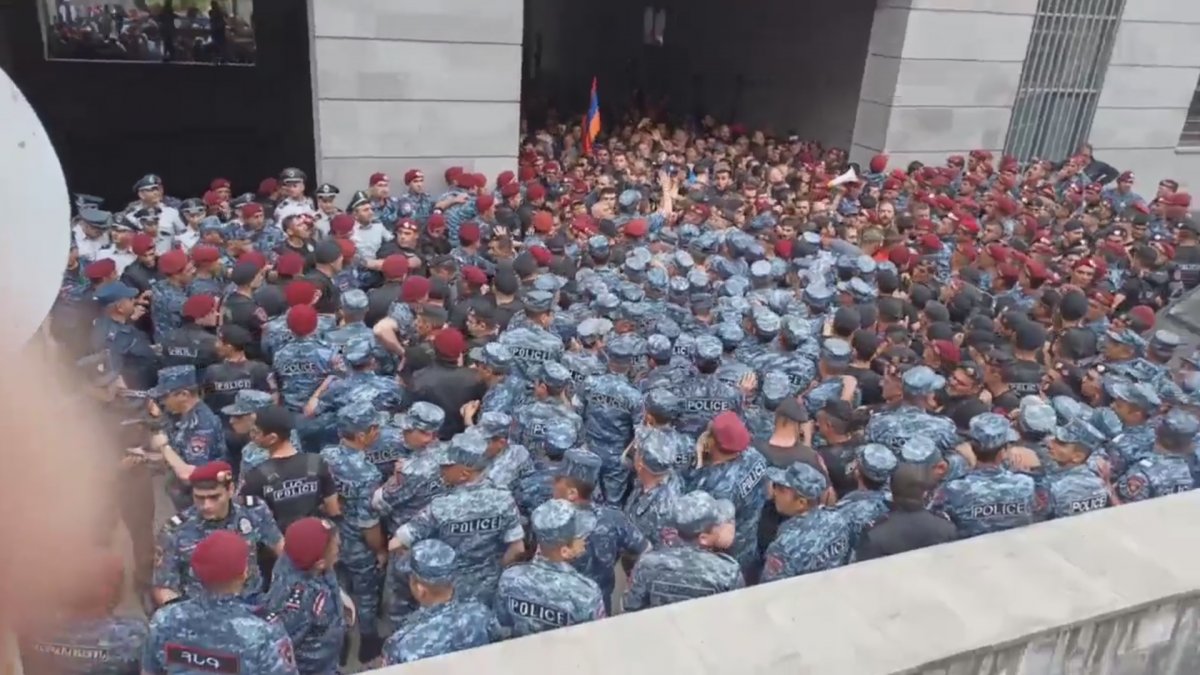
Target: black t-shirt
x=870 y=384
x=222 y=381
x=330 y=299
x=293 y=487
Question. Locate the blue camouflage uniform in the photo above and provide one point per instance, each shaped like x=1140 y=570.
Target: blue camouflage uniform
x=537 y=487
x=477 y=520
x=182 y=532
x=446 y=627
x=354 y=303
x=741 y=482
x=686 y=570
x=530 y=348
x=108 y=645
x=309 y=607
x=705 y=396
x=990 y=498
x=611 y=407
x=512 y=461
x=650 y=508
x=863 y=507
x=197 y=435
x=361 y=384
x=533 y=413
x=1077 y=489
x=166 y=307
x=893 y=426
x=357 y=479
x=301 y=366
x=1135 y=442
x=215 y=633
x=511 y=389
x=545 y=594
x=133 y=356
x=276 y=334
x=664 y=405
x=419 y=479
x=613 y=534
x=1163 y=472
x=816 y=540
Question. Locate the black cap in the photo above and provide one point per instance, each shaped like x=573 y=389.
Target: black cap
x=524 y=265
x=791 y=409
x=327 y=251
x=236 y=336
x=1029 y=336
x=243 y=273
x=506 y=281
x=274 y=420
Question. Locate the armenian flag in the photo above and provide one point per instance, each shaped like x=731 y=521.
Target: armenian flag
x=591 y=123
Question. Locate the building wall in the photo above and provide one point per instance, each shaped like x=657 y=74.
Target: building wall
x=1147 y=89
x=400 y=84
x=941 y=77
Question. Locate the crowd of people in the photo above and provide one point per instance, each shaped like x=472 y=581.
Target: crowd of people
x=116 y=32
x=690 y=360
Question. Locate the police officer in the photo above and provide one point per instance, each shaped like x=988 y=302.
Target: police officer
x=733 y=470
x=445 y=622
x=530 y=342
x=814 y=538
x=611 y=407
x=294 y=203
x=133 y=355
x=1165 y=471
x=990 y=498
x=91 y=232
x=656 y=486
x=480 y=522
x=706 y=395
x=212 y=631
x=548 y=592
x=911 y=418
x=509 y=462
x=873 y=466
x=613 y=537
x=194 y=435
x=693 y=568
x=305 y=598
x=292 y=485
x=234 y=372
x=170 y=293
x=242 y=414
x=304 y=367
x=504 y=389
x=193 y=343
x=1134 y=403
x=446 y=383
x=239 y=307
x=327 y=208
x=214 y=509
x=908 y=525
x=547 y=401
x=417 y=477
x=362 y=384
x=364 y=549
x=1074 y=487
x=88 y=637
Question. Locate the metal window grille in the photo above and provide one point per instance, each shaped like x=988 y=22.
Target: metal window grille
x=1064 y=68
x=1190 y=136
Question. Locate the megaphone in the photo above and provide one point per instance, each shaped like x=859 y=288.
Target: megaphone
x=38 y=213
x=848 y=177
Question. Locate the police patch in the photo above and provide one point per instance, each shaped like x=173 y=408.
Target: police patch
x=245 y=526
x=1134 y=485
x=203 y=660
x=773 y=566
x=286 y=653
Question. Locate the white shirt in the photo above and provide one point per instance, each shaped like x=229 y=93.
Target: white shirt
x=367 y=239
x=169 y=220
x=290 y=207
x=188 y=239
x=89 y=248
x=122 y=259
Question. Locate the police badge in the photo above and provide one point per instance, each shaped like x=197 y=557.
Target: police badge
x=244 y=526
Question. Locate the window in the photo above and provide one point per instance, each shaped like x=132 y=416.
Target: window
x=1061 y=78
x=654 y=26
x=1190 y=136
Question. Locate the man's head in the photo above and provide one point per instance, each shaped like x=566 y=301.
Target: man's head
x=701 y=518
x=796 y=489
x=178 y=390
x=212 y=489
x=220 y=562
x=434 y=565
x=561 y=529
x=311 y=544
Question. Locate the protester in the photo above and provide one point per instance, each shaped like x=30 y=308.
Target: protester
x=690 y=350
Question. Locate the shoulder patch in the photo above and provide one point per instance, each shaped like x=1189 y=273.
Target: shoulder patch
x=250 y=500
x=175 y=521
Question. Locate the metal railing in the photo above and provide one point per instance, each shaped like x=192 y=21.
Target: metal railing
x=1061 y=78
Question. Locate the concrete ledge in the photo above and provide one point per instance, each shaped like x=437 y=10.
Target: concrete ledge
x=1098 y=593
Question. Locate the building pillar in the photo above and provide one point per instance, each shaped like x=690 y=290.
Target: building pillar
x=941 y=78
x=400 y=84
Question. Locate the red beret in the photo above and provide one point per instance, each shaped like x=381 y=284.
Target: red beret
x=474 y=276
x=1036 y=270
x=584 y=224
x=543 y=222
x=306 y=540
x=342 y=223
x=899 y=175
x=300 y=292
x=968 y=250
x=998 y=252
x=1143 y=314
x=395 y=266
x=290 y=264
x=944 y=202
x=212 y=199
x=408 y=224
x=348 y=248
x=172 y=262
x=254 y=257
x=484 y=202
x=468 y=233
x=252 y=209
x=535 y=192
x=1009 y=271
x=730 y=432
x=1006 y=205
x=1102 y=296
x=267 y=186
x=414 y=289
x=436 y=222
x=465 y=180
x=377 y=178
x=510 y=190
x=1178 y=199
x=411 y=175
x=900 y=256
x=449 y=343
x=947 y=351
x=220 y=558
x=969 y=225
x=203 y=254
x=453 y=173
x=891 y=184
x=199 y=306
x=479 y=180
x=930 y=243
x=1141 y=207
x=213 y=472
x=525 y=173
x=924 y=224
x=142 y=243
x=551 y=167
x=542 y=255
x=505 y=178
x=783 y=248
x=636 y=228
x=955 y=160
x=102 y=269
x=878 y=163
x=302 y=320
x=218 y=183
